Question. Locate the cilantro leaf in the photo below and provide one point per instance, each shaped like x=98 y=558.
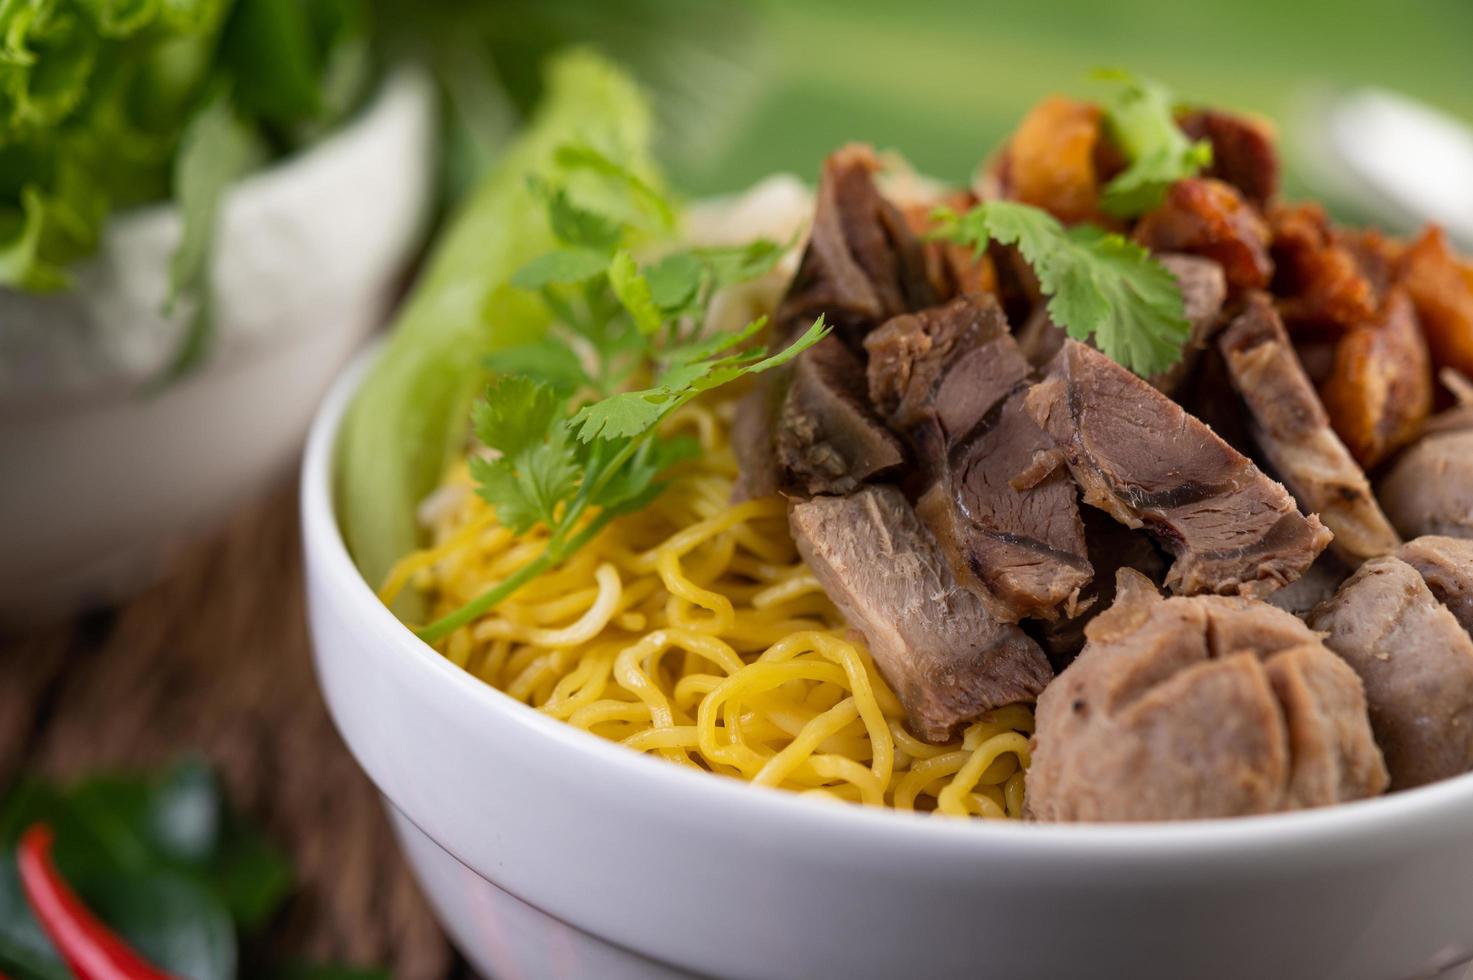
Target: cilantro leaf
x=633 y=290
x=1141 y=121
x=563 y=267
x=706 y=347
x=675 y=281
x=516 y=414
x=633 y=413
x=624 y=415
x=637 y=321
x=574 y=224
x=730 y=264
x=634 y=486
x=548 y=359
x=577 y=156
x=1100 y=286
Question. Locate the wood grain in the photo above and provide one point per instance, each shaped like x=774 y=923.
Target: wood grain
x=214 y=661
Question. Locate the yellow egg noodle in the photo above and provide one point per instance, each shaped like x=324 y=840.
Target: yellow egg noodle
x=692 y=630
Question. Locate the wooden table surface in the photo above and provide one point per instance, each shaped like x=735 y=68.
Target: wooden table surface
x=214 y=661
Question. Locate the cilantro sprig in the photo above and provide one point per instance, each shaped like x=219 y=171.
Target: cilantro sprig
x=573 y=441
x=1098 y=283
x=1141 y=120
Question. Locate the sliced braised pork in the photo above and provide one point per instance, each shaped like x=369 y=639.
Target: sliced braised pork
x=1203 y=290
x=1291 y=428
x=1140 y=457
x=946 y=657
x=1416 y=663
x=1446 y=565
x=1315 y=586
x=953 y=381
x=754 y=438
x=1191 y=708
x=863 y=264
x=828 y=438
x=1111 y=547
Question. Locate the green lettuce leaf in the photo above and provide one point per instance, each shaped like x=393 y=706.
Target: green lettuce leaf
x=408 y=421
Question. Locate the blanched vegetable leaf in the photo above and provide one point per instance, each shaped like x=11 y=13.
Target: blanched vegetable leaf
x=1100 y=286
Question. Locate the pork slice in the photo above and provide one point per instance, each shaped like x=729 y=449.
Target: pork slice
x=1292 y=430
x=1111 y=546
x=946 y=657
x=1138 y=456
x=1020 y=548
x=910 y=355
x=1446 y=565
x=862 y=264
x=1429 y=489
x=1416 y=663
x=1203 y=291
x=754 y=437
x=1199 y=707
x=953 y=382
x=1301 y=596
x=828 y=438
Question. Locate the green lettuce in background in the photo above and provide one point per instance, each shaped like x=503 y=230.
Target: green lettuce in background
x=109 y=104
x=409 y=419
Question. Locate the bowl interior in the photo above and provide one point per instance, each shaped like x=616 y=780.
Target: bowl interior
x=1403 y=812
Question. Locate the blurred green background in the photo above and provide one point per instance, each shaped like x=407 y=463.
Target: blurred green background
x=944 y=81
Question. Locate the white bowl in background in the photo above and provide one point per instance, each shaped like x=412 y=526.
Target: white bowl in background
x=101 y=478
x=549 y=852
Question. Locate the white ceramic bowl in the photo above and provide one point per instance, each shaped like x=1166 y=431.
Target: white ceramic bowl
x=99 y=478
x=551 y=853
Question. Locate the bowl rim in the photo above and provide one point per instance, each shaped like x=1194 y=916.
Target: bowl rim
x=1438 y=805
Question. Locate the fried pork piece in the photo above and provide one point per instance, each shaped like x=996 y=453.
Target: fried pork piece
x=863 y=264
x=1051 y=161
x=1243 y=151
x=828 y=438
x=1446 y=565
x=1321 y=283
x=1140 y=457
x=1193 y=708
x=1291 y=428
x=953 y=382
x=1379 y=392
x=1441 y=287
x=1416 y=663
x=947 y=659
x=1206 y=217
x=952 y=269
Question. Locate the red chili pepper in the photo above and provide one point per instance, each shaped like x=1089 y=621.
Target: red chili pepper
x=91 y=949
